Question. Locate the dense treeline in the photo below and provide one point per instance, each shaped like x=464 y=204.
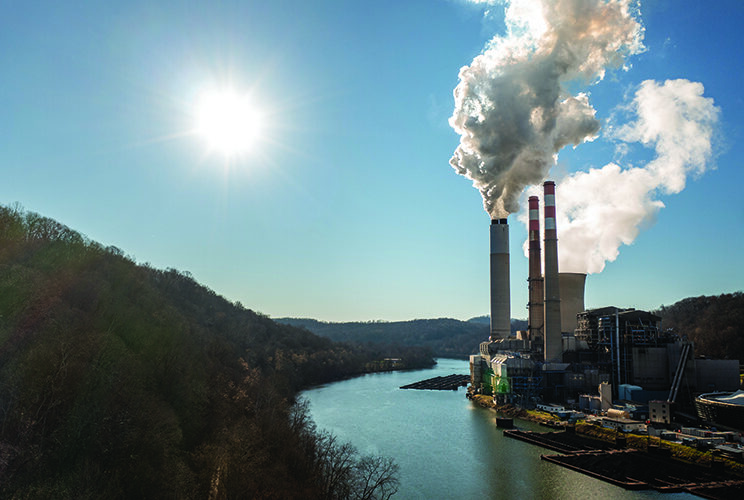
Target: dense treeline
x=123 y=381
x=715 y=324
x=446 y=337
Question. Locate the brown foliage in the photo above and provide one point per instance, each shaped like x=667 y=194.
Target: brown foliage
x=123 y=381
x=714 y=323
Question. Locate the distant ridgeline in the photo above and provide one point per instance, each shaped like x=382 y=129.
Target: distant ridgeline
x=118 y=380
x=446 y=337
x=714 y=323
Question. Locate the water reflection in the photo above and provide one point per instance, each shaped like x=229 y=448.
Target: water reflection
x=445 y=446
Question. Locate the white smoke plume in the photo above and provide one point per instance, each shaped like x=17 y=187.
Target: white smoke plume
x=512 y=109
x=599 y=210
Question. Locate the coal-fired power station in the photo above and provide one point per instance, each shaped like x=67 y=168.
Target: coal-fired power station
x=568 y=352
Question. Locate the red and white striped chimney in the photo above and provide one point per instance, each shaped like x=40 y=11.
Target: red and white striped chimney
x=553 y=350
x=535 y=280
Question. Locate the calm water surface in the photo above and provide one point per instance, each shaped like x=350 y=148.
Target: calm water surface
x=445 y=446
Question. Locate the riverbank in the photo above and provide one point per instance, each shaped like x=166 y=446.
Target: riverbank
x=628 y=460
x=634 y=469
x=514 y=411
x=446 y=447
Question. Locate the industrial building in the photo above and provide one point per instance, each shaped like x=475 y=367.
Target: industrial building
x=724 y=409
x=568 y=352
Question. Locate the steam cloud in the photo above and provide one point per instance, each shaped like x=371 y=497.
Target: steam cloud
x=603 y=208
x=514 y=113
x=512 y=109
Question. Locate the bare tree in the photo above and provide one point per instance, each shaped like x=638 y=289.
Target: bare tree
x=375 y=478
x=336 y=463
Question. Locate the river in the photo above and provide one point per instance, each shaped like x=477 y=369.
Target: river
x=446 y=447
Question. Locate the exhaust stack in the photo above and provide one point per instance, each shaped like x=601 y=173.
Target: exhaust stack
x=535 y=280
x=553 y=350
x=500 y=299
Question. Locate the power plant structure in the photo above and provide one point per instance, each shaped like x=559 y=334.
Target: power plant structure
x=567 y=351
x=500 y=293
x=536 y=317
x=572 y=299
x=552 y=344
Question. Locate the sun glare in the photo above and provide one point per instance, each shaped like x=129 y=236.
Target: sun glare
x=228 y=121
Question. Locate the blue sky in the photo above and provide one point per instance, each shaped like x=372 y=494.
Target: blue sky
x=346 y=208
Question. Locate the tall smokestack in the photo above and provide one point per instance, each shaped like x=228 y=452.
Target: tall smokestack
x=572 y=298
x=500 y=300
x=535 y=280
x=553 y=350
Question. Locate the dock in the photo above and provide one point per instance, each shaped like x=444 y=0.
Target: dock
x=448 y=383
x=562 y=442
x=632 y=469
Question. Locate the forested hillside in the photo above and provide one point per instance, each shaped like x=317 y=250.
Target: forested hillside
x=118 y=380
x=715 y=324
x=446 y=337
x=122 y=381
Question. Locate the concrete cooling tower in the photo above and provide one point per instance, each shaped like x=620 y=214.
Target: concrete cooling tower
x=572 y=299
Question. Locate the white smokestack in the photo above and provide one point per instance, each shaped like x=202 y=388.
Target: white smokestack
x=500 y=293
x=512 y=109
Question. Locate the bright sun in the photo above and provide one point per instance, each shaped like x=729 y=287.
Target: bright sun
x=228 y=121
